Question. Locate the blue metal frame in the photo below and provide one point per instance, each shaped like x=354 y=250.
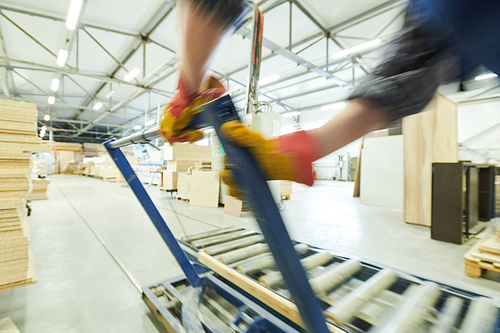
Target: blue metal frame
x=153 y=213
x=263 y=320
x=256 y=191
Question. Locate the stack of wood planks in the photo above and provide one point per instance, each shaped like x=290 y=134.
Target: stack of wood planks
x=484 y=255
x=497 y=194
x=18 y=138
x=39 y=190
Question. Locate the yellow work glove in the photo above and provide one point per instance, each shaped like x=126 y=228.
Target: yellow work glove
x=180 y=112
x=287 y=157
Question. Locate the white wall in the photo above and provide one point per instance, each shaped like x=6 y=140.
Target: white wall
x=382 y=172
x=474 y=119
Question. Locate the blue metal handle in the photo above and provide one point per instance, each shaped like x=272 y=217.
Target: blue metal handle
x=256 y=191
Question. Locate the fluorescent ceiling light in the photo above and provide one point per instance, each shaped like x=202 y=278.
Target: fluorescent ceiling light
x=333 y=106
x=291 y=114
x=356 y=48
x=270 y=79
x=97 y=106
x=44 y=128
x=486 y=76
x=54 y=86
x=73 y=14
x=42 y=134
x=46 y=117
x=62 y=57
x=151 y=122
x=110 y=94
x=51 y=100
x=137 y=127
x=131 y=74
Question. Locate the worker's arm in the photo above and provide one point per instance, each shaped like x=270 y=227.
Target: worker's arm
x=204 y=25
x=413 y=68
x=358 y=119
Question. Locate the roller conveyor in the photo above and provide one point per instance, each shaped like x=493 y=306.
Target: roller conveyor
x=219 y=298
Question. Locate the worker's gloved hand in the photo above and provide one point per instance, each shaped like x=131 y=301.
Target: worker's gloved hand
x=180 y=112
x=287 y=157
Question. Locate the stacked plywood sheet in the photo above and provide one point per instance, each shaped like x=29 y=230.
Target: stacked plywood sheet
x=39 y=190
x=169 y=180
x=92 y=149
x=497 y=194
x=484 y=255
x=18 y=137
x=184 y=186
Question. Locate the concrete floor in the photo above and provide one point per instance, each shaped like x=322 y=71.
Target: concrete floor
x=81 y=288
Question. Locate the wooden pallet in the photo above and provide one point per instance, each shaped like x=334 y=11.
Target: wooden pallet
x=476 y=261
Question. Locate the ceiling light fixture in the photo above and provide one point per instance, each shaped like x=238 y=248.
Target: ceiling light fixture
x=111 y=93
x=44 y=128
x=46 y=117
x=486 y=76
x=291 y=114
x=131 y=74
x=51 y=100
x=269 y=79
x=334 y=106
x=97 y=106
x=137 y=127
x=54 y=85
x=73 y=14
x=62 y=57
x=356 y=48
x=149 y=123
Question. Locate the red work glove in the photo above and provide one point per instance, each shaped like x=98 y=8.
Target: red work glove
x=182 y=109
x=287 y=157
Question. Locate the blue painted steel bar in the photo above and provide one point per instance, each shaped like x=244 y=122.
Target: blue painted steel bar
x=150 y=208
x=253 y=183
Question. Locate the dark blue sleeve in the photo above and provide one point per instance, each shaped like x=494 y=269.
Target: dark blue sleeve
x=415 y=64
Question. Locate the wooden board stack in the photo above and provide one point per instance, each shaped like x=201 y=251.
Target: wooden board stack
x=18 y=137
x=39 y=190
x=497 y=193
x=484 y=255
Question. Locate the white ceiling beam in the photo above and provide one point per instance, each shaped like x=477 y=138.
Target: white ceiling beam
x=75 y=72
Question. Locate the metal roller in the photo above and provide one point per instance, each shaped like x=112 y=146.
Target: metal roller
x=334 y=276
x=233 y=245
x=447 y=318
x=189 y=239
x=274 y=279
x=411 y=315
x=481 y=317
x=240 y=254
x=317 y=259
x=222 y=238
x=266 y=261
x=349 y=306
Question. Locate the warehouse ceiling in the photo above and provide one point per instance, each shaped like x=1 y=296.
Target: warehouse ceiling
x=114 y=38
